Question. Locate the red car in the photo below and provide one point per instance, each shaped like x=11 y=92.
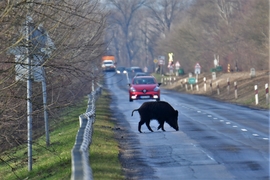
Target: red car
x=144 y=87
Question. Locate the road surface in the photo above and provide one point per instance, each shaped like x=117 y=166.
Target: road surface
x=216 y=140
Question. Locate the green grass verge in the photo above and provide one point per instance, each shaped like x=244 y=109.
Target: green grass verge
x=104 y=148
x=54 y=162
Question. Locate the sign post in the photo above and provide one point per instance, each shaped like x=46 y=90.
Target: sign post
x=29 y=68
x=161 y=62
x=177 y=67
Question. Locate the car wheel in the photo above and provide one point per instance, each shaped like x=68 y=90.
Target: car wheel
x=158 y=99
x=130 y=100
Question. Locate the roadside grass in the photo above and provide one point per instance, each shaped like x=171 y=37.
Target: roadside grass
x=54 y=162
x=246 y=94
x=104 y=148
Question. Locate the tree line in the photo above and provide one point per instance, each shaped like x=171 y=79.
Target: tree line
x=194 y=30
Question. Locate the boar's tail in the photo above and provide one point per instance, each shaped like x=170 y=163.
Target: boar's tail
x=133 y=111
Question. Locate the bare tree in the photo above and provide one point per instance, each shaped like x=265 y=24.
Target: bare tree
x=76 y=29
x=227 y=28
x=122 y=15
x=165 y=12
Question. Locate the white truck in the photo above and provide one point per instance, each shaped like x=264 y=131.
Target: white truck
x=108 y=63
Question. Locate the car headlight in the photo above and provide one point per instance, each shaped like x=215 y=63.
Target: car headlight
x=132 y=89
x=156 y=89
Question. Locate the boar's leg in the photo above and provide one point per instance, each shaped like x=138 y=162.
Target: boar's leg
x=161 y=125
x=148 y=125
x=139 y=126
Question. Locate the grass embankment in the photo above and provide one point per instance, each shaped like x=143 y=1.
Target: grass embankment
x=245 y=87
x=54 y=162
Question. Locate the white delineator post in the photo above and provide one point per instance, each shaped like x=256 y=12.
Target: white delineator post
x=256 y=95
x=218 y=91
x=235 y=90
x=186 y=86
x=204 y=79
x=266 y=93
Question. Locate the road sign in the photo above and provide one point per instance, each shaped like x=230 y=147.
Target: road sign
x=197 y=69
x=161 y=60
x=170 y=57
x=192 y=80
x=177 y=65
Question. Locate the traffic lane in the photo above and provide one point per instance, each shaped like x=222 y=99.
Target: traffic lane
x=244 y=156
x=170 y=154
x=243 y=151
x=220 y=154
x=255 y=120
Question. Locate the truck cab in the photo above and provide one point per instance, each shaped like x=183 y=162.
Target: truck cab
x=108 y=65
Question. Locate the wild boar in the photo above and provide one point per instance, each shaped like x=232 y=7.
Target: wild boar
x=159 y=110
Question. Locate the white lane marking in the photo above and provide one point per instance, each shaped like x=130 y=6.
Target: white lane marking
x=221 y=120
x=204 y=152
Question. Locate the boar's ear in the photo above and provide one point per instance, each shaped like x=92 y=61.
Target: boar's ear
x=176 y=112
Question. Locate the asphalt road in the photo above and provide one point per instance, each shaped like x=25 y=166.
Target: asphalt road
x=216 y=140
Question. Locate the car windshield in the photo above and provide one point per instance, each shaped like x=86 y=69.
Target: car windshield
x=144 y=81
x=107 y=63
x=121 y=68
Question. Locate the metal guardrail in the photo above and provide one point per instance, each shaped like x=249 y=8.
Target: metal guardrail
x=81 y=169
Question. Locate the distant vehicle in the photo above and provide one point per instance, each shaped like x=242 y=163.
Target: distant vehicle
x=127 y=70
x=144 y=87
x=120 y=70
x=133 y=70
x=108 y=65
x=140 y=74
x=136 y=69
